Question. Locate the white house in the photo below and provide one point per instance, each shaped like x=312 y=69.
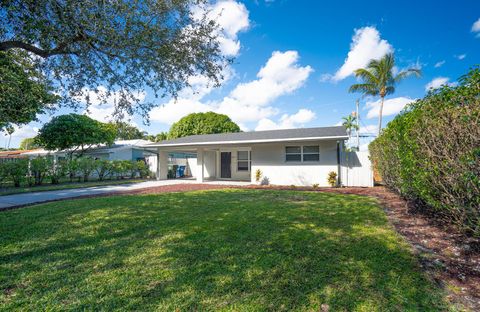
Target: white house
x=119 y=150
x=285 y=157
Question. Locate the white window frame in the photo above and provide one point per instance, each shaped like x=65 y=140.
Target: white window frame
x=301 y=154
x=248 y=160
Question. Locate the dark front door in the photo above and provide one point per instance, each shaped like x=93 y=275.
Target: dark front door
x=226 y=165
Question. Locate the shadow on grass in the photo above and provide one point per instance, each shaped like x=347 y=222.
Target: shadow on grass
x=230 y=250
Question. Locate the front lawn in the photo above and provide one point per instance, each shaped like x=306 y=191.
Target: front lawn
x=242 y=250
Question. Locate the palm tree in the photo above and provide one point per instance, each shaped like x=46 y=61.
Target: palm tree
x=350 y=122
x=379 y=79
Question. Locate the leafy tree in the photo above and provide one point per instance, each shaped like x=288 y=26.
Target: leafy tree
x=29 y=143
x=24 y=91
x=103 y=168
x=379 y=79
x=202 y=123
x=157 y=138
x=115 y=47
x=39 y=168
x=126 y=131
x=75 y=132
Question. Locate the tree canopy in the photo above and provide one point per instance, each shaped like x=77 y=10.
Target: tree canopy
x=123 y=46
x=75 y=132
x=125 y=131
x=202 y=123
x=24 y=91
x=29 y=143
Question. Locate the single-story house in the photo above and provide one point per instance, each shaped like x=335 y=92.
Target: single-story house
x=302 y=156
x=119 y=150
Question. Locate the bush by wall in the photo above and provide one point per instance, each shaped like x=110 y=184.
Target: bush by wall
x=37 y=170
x=430 y=153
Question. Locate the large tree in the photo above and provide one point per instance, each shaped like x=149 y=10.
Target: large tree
x=125 y=131
x=379 y=79
x=75 y=133
x=24 y=90
x=29 y=143
x=124 y=46
x=202 y=123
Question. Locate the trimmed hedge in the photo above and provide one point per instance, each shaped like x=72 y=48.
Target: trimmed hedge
x=430 y=153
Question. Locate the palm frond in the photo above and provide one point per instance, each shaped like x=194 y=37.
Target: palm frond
x=366 y=75
x=406 y=73
x=365 y=88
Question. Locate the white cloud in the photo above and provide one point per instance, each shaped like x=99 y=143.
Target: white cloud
x=366 y=45
x=369 y=129
x=476 y=28
x=19 y=133
x=390 y=106
x=300 y=118
x=439 y=64
x=460 y=56
x=232 y=18
x=102 y=104
x=437 y=83
x=249 y=101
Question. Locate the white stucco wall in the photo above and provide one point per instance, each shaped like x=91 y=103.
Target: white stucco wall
x=270 y=159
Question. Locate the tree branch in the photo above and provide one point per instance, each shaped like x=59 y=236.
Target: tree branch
x=60 y=49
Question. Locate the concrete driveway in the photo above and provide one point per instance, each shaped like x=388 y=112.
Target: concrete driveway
x=11 y=201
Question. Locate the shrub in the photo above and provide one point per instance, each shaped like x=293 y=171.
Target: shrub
x=332 y=178
x=57 y=171
x=39 y=168
x=86 y=165
x=430 y=153
x=71 y=168
x=103 y=168
x=143 y=169
x=258 y=175
x=16 y=170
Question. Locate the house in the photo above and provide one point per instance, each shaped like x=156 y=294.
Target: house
x=285 y=157
x=119 y=150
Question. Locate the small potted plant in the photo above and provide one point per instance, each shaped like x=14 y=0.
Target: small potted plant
x=258 y=176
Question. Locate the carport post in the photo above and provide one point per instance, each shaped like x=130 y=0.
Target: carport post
x=200 y=170
x=162 y=165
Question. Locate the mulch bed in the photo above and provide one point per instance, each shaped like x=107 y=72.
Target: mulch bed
x=451 y=259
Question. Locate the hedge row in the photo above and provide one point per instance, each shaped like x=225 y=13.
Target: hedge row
x=430 y=153
x=35 y=171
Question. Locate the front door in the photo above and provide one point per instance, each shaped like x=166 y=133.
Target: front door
x=225 y=165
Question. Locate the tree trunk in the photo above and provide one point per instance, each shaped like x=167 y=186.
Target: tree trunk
x=380 y=114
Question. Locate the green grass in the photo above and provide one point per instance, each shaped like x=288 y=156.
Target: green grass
x=241 y=250
x=63 y=186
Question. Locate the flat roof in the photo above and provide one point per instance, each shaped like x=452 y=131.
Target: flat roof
x=283 y=135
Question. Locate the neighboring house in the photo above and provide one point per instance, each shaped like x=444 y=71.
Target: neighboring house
x=284 y=157
x=119 y=150
x=12 y=155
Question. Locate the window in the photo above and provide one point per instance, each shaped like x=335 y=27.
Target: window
x=293 y=153
x=243 y=161
x=311 y=153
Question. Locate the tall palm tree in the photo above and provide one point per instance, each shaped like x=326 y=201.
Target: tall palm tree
x=378 y=78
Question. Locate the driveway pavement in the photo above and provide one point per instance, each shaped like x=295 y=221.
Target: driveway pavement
x=10 y=201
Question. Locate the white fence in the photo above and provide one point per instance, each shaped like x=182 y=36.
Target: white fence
x=356 y=169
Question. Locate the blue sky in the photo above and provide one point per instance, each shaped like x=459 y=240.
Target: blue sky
x=294 y=59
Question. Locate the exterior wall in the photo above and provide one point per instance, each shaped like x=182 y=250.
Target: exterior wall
x=209 y=162
x=236 y=175
x=270 y=159
x=122 y=154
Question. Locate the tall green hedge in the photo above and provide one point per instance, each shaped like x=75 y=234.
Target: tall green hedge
x=430 y=153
